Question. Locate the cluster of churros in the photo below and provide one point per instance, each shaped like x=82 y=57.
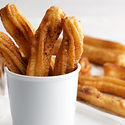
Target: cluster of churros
x=104 y=91
x=97 y=89
x=111 y=55
x=32 y=55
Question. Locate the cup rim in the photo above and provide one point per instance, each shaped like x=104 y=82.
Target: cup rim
x=12 y=74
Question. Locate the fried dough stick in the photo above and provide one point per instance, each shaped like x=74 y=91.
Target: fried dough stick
x=107 y=87
x=71 y=48
x=99 y=55
x=111 y=103
x=113 y=70
x=108 y=79
x=44 y=40
x=11 y=55
x=18 y=27
x=111 y=46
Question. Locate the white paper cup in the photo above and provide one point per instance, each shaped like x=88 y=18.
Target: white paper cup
x=42 y=100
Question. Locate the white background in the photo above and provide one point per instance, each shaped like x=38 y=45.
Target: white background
x=84 y=8
x=103 y=19
x=100 y=18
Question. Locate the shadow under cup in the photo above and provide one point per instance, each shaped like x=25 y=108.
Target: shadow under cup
x=42 y=100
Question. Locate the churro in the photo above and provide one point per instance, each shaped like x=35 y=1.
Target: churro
x=44 y=40
x=11 y=55
x=111 y=103
x=18 y=27
x=103 y=85
x=71 y=48
x=111 y=46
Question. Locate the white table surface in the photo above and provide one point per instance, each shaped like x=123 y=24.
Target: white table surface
x=84 y=115
x=103 y=19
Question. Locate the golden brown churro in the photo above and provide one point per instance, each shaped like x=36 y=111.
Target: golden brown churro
x=11 y=55
x=18 y=27
x=102 y=85
x=99 y=55
x=115 y=81
x=91 y=94
x=102 y=51
x=71 y=48
x=111 y=46
x=44 y=40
